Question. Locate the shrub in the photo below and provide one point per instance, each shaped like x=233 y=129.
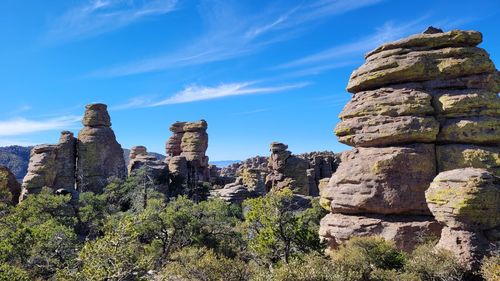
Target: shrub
x=490 y=269
x=10 y=273
x=432 y=264
x=205 y=265
x=356 y=259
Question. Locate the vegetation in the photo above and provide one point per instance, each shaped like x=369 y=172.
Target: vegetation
x=133 y=232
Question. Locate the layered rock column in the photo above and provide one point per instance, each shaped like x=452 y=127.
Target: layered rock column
x=289 y=171
x=421 y=105
x=186 y=150
x=100 y=156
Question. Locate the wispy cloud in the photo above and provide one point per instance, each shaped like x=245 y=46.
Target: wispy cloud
x=195 y=93
x=100 y=16
x=23 y=126
x=338 y=54
x=230 y=34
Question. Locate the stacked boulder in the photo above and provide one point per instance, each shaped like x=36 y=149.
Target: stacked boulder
x=155 y=171
x=100 y=156
x=83 y=164
x=186 y=150
x=289 y=171
x=10 y=189
x=420 y=106
x=467 y=202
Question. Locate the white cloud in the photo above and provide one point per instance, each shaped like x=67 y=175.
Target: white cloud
x=100 y=16
x=230 y=34
x=385 y=33
x=23 y=126
x=195 y=93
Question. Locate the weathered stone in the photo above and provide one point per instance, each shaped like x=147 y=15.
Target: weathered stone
x=389 y=102
x=325 y=198
x=434 y=40
x=389 y=180
x=190 y=140
x=178 y=165
x=466 y=103
x=10 y=189
x=472 y=130
x=235 y=192
x=404 y=65
x=65 y=162
x=405 y=231
x=455 y=156
x=465 y=198
x=469 y=247
x=96 y=115
x=369 y=131
x=41 y=169
x=100 y=156
x=287 y=171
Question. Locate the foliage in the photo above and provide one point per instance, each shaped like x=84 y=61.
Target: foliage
x=432 y=264
x=205 y=265
x=10 y=273
x=490 y=269
x=16 y=158
x=359 y=257
x=276 y=230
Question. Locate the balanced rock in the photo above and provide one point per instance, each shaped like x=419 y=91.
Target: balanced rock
x=467 y=202
x=235 y=192
x=288 y=171
x=100 y=156
x=190 y=141
x=10 y=189
x=421 y=105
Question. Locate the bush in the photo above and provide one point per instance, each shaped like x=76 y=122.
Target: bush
x=205 y=265
x=490 y=269
x=10 y=273
x=432 y=264
x=356 y=259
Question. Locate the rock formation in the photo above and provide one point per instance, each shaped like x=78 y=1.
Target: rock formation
x=467 y=202
x=421 y=105
x=100 y=156
x=289 y=171
x=84 y=164
x=155 y=171
x=186 y=150
x=10 y=189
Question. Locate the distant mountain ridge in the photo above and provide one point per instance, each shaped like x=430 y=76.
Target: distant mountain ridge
x=17 y=158
x=223 y=163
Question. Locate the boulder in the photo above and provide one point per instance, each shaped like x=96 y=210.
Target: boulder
x=388 y=180
x=392 y=102
x=380 y=130
x=10 y=189
x=455 y=156
x=403 y=65
x=466 y=103
x=235 y=192
x=96 y=115
x=405 y=231
x=466 y=198
x=472 y=130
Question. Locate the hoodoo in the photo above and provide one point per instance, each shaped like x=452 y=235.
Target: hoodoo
x=425 y=109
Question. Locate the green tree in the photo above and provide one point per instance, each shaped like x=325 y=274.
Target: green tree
x=277 y=230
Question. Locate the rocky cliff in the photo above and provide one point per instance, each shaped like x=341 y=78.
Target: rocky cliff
x=421 y=106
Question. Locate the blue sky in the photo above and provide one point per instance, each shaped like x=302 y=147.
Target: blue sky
x=257 y=71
